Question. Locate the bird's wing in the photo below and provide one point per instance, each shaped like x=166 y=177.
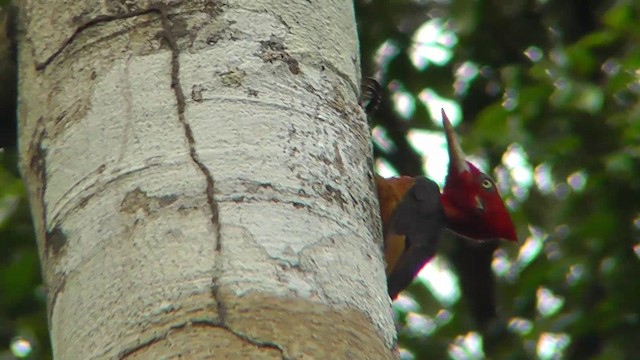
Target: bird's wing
x=390 y=194
x=413 y=222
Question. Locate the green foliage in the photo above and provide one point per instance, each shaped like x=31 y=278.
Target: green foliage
x=23 y=324
x=560 y=81
x=22 y=299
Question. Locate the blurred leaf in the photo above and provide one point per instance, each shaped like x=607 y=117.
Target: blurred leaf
x=619 y=16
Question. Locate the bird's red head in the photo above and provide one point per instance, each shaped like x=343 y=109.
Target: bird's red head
x=470 y=199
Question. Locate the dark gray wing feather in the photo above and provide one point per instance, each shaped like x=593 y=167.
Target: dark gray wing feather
x=420 y=218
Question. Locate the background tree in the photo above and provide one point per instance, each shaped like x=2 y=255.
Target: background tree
x=548 y=92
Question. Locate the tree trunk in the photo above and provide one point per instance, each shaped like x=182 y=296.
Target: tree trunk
x=200 y=179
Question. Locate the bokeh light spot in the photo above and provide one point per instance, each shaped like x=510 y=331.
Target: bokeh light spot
x=502 y=178
x=530 y=249
x=404 y=103
x=575 y=274
x=406 y=354
x=510 y=99
x=432 y=146
x=443 y=317
x=515 y=159
x=562 y=191
x=467 y=347
x=420 y=325
x=382 y=140
x=550 y=345
x=636 y=222
x=436 y=103
x=552 y=250
x=405 y=303
x=465 y=73
x=432 y=44
x=548 y=303
x=385 y=169
x=441 y=281
x=577 y=180
x=385 y=53
x=558 y=56
x=611 y=67
x=520 y=326
x=544 y=179
x=21 y=347
x=500 y=263
x=534 y=53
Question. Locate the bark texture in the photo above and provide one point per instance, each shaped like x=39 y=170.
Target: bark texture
x=200 y=179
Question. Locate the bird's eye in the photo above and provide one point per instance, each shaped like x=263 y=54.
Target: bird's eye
x=487 y=184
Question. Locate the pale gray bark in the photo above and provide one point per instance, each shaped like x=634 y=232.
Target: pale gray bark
x=200 y=180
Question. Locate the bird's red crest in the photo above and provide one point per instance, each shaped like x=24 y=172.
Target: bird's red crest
x=470 y=198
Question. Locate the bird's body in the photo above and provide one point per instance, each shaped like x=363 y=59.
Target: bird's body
x=414 y=214
x=412 y=221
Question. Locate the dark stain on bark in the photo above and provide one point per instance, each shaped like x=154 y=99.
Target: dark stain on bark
x=55 y=241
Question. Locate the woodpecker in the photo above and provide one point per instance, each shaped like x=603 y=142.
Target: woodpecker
x=414 y=213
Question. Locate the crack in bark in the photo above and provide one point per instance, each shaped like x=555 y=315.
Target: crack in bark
x=153 y=9
x=245 y=337
x=181 y=103
x=128 y=352
x=204 y=323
